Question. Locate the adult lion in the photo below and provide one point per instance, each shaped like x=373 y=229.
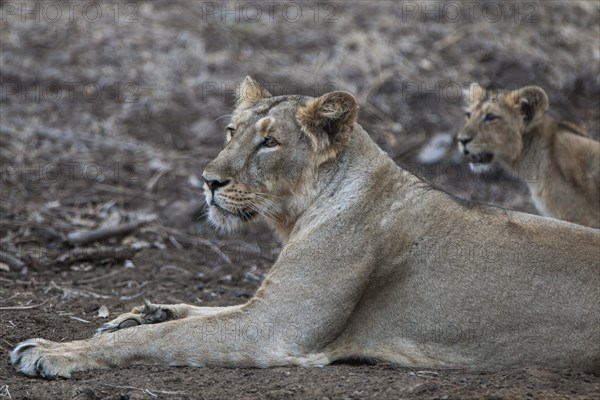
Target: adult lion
x=376 y=264
x=558 y=161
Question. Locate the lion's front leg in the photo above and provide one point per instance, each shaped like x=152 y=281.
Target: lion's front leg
x=230 y=341
x=154 y=313
x=293 y=318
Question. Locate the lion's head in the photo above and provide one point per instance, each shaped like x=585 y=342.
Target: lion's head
x=496 y=122
x=274 y=146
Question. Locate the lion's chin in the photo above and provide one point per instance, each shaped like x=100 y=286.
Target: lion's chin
x=226 y=220
x=223 y=221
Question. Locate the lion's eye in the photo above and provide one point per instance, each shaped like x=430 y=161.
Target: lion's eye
x=269 y=141
x=468 y=115
x=490 y=117
x=230 y=130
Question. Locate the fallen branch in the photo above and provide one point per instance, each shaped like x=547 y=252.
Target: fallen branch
x=72 y=293
x=96 y=235
x=18 y=282
x=195 y=240
x=102 y=253
x=98 y=278
x=101 y=141
x=12 y=261
x=23 y=307
x=132 y=297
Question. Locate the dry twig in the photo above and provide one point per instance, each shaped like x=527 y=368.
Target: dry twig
x=4 y=392
x=164 y=392
x=96 y=235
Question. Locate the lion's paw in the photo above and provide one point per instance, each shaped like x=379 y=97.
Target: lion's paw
x=39 y=357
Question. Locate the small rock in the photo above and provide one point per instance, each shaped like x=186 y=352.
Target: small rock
x=426 y=64
x=436 y=149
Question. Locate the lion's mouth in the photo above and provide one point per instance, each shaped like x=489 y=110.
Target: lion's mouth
x=481 y=158
x=244 y=215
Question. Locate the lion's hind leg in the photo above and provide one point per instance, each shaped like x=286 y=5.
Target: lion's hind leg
x=155 y=313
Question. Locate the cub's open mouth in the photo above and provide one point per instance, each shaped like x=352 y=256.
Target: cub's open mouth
x=244 y=215
x=481 y=158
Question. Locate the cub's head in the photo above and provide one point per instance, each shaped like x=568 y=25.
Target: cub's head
x=273 y=148
x=496 y=122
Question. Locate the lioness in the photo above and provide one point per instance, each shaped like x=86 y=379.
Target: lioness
x=376 y=264
x=559 y=162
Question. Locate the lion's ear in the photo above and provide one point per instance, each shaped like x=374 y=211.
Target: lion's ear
x=249 y=93
x=328 y=121
x=532 y=102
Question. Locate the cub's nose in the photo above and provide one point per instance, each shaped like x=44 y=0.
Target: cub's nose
x=465 y=141
x=464 y=144
x=214 y=184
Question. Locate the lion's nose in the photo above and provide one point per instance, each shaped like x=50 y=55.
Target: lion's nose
x=214 y=184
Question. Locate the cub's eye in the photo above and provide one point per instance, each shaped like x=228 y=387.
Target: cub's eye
x=269 y=142
x=230 y=130
x=468 y=115
x=490 y=117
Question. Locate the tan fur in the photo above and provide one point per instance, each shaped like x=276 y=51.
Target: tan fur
x=559 y=162
x=376 y=264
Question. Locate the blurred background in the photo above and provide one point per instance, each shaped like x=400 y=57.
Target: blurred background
x=110 y=110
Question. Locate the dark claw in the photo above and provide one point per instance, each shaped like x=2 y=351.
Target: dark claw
x=17 y=362
x=40 y=368
x=128 y=323
x=159 y=315
x=23 y=348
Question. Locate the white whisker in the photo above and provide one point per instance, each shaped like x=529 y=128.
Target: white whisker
x=267 y=194
x=222 y=116
x=269 y=204
x=265 y=212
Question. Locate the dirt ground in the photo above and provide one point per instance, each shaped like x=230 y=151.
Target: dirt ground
x=110 y=110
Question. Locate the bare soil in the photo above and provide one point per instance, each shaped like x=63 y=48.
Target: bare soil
x=72 y=161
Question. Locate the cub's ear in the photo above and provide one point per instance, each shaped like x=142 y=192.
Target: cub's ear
x=532 y=102
x=473 y=94
x=249 y=93
x=328 y=121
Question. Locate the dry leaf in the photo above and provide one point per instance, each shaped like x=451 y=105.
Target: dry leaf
x=103 y=312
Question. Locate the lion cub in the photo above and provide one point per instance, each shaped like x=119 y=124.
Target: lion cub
x=559 y=162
